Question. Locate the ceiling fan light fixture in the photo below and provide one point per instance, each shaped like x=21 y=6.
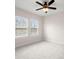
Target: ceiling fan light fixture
x=45 y=10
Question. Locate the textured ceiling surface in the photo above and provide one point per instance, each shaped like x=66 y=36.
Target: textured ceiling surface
x=30 y=5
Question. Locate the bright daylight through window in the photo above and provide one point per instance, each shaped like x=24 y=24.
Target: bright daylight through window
x=25 y=27
x=34 y=27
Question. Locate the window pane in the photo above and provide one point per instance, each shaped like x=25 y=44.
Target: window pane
x=34 y=27
x=21 y=26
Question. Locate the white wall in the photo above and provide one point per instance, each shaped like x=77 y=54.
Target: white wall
x=20 y=41
x=54 y=28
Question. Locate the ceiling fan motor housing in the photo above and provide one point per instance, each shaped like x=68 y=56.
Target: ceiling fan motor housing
x=45 y=5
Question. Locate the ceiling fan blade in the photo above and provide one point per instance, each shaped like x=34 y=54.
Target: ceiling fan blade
x=39 y=9
x=52 y=8
x=39 y=3
x=52 y=1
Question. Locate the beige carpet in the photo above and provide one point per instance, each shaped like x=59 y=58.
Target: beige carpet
x=43 y=50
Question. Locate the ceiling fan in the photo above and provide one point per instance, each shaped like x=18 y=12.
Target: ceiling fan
x=46 y=6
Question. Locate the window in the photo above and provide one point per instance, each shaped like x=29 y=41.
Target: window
x=34 y=27
x=26 y=27
x=21 y=26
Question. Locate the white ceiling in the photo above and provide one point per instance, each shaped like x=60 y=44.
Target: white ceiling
x=30 y=6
